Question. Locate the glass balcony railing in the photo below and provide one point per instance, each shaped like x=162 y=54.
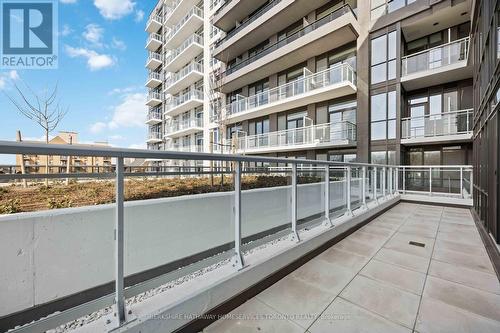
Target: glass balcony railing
x=285 y=41
x=154 y=19
x=188 y=149
x=245 y=23
x=154 y=136
x=435 y=125
x=170 y=8
x=177 y=126
x=154 y=115
x=183 y=98
x=329 y=133
x=154 y=76
x=154 y=56
x=191 y=40
x=337 y=74
x=155 y=37
x=177 y=76
x=193 y=11
x=154 y=95
x=437 y=57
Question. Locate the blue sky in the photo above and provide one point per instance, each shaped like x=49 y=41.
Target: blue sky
x=101 y=75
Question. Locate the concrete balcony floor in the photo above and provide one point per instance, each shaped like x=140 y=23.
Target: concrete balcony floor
x=376 y=281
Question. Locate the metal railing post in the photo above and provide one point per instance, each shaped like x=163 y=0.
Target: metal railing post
x=430 y=181
x=390 y=181
x=396 y=179
x=461 y=182
x=363 y=186
x=295 y=234
x=348 y=190
x=328 y=221
x=384 y=181
x=375 y=196
x=237 y=258
x=119 y=240
x=471 y=190
x=404 y=180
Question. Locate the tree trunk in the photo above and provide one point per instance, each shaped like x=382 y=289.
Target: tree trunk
x=47 y=159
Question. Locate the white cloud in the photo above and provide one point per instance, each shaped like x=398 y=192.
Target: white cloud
x=118 y=44
x=93 y=33
x=97 y=127
x=7 y=77
x=114 y=9
x=95 y=61
x=131 y=112
x=138 y=146
x=139 y=15
x=66 y=30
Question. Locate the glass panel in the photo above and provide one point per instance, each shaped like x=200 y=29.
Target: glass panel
x=379 y=73
x=378 y=130
x=379 y=50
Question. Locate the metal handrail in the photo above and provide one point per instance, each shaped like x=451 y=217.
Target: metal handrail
x=154 y=76
x=154 y=95
x=336 y=74
x=175 y=101
x=447 y=59
x=300 y=33
x=431 y=124
x=185 y=124
x=193 y=11
x=155 y=36
x=194 y=38
x=156 y=114
x=247 y=21
x=177 y=76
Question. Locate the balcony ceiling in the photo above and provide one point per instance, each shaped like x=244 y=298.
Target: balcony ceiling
x=269 y=24
x=436 y=76
x=445 y=15
x=235 y=11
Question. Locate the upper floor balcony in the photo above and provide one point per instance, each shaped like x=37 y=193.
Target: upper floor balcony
x=187 y=26
x=176 y=10
x=184 y=102
x=154 y=137
x=270 y=19
x=154 y=116
x=154 y=23
x=339 y=134
x=186 y=148
x=335 y=29
x=182 y=55
x=154 y=80
x=154 y=42
x=184 y=78
x=337 y=81
x=154 y=98
x=184 y=127
x=437 y=128
x=234 y=11
x=154 y=60
x=426 y=68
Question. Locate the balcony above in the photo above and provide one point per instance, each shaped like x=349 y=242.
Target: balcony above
x=340 y=134
x=154 y=137
x=154 y=23
x=334 y=30
x=187 y=149
x=185 y=127
x=447 y=127
x=154 y=42
x=154 y=99
x=154 y=60
x=334 y=82
x=185 y=102
x=189 y=24
x=438 y=65
x=234 y=11
x=184 y=78
x=154 y=80
x=177 y=10
x=270 y=19
x=154 y=116
x=182 y=55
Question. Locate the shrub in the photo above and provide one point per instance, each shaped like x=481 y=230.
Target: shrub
x=10 y=207
x=54 y=203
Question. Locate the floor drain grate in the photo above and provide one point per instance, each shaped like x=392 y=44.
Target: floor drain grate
x=417 y=244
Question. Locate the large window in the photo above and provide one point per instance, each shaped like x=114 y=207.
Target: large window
x=383 y=58
x=383 y=116
x=382 y=7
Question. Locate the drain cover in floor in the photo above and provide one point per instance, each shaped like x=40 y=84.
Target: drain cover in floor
x=417 y=244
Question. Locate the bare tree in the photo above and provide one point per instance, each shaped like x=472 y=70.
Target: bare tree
x=43 y=109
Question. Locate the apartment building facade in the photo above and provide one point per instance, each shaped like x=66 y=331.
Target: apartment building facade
x=381 y=81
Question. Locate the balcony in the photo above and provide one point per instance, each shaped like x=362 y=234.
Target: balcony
x=184 y=102
x=189 y=24
x=186 y=149
x=154 y=137
x=154 y=60
x=154 y=116
x=275 y=16
x=154 y=99
x=334 y=30
x=234 y=11
x=438 y=65
x=154 y=42
x=177 y=10
x=154 y=23
x=329 y=135
x=182 y=55
x=185 y=127
x=333 y=82
x=154 y=80
x=447 y=127
x=184 y=78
